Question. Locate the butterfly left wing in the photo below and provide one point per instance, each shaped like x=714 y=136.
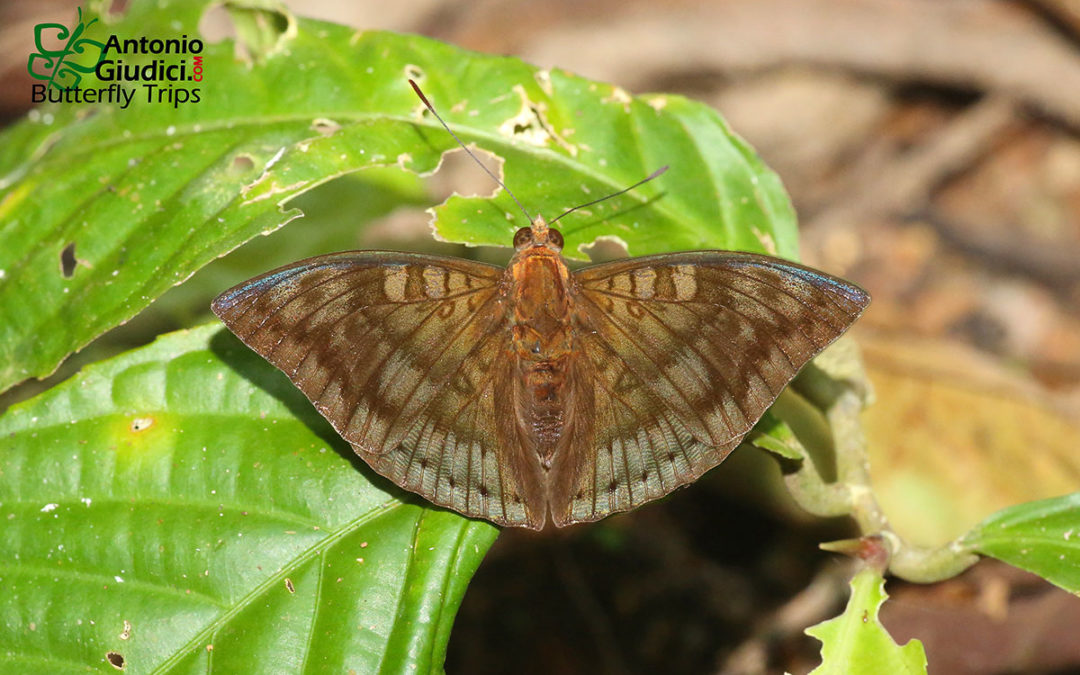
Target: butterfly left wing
x=686 y=352
x=404 y=354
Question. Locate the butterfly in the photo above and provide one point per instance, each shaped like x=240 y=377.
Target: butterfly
x=514 y=394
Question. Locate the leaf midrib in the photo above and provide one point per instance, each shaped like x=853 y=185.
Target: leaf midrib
x=275 y=578
x=176 y=504
x=95 y=578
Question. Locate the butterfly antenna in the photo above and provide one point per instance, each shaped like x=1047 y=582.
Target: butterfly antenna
x=654 y=174
x=466 y=149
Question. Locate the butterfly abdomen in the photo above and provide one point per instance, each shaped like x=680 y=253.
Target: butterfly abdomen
x=542 y=337
x=543 y=404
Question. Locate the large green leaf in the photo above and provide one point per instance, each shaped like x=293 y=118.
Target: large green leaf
x=1041 y=537
x=184 y=508
x=150 y=193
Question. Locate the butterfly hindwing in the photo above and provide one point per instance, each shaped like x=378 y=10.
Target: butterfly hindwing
x=631 y=448
x=459 y=451
x=404 y=354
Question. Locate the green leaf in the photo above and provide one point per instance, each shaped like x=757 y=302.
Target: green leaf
x=1041 y=537
x=567 y=141
x=183 y=506
x=335 y=217
x=855 y=643
x=774 y=435
x=150 y=193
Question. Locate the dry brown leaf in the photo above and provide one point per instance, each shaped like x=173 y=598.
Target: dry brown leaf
x=954 y=437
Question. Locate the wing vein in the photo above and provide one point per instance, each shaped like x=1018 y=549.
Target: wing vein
x=642 y=351
x=377 y=370
x=448 y=343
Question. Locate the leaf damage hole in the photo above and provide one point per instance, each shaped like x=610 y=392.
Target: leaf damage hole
x=141 y=424
x=116 y=9
x=619 y=95
x=413 y=72
x=243 y=163
x=530 y=125
x=604 y=248
x=126 y=633
x=324 y=126
x=115 y=659
x=289 y=585
x=215 y=25
x=543 y=78
x=257 y=32
x=457 y=173
x=767 y=242
x=68 y=261
x=657 y=103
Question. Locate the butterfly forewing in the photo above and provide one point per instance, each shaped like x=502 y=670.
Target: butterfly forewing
x=686 y=351
x=405 y=355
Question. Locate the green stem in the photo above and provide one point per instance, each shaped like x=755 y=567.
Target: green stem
x=836 y=385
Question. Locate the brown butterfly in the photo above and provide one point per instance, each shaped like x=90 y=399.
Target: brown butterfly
x=510 y=393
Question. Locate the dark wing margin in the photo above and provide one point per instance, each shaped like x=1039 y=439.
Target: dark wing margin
x=402 y=354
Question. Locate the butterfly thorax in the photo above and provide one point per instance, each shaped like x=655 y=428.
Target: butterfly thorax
x=542 y=339
x=540 y=305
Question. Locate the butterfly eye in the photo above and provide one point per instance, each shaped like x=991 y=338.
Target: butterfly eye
x=522 y=237
x=555 y=239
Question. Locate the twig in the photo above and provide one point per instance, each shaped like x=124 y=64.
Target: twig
x=835 y=384
x=906 y=184
x=814 y=603
x=991 y=47
x=1056 y=266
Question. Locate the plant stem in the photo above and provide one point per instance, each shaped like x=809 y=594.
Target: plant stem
x=836 y=385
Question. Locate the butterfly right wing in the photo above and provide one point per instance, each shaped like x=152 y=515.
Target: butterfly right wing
x=686 y=350
x=405 y=355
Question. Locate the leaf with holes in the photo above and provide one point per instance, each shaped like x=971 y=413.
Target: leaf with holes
x=102 y=209
x=182 y=508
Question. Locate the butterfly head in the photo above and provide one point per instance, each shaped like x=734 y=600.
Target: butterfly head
x=537 y=235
